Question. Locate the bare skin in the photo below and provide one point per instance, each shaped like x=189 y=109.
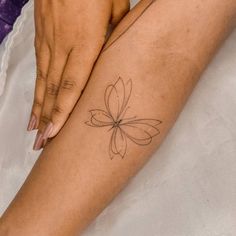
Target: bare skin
x=163 y=54
x=69 y=37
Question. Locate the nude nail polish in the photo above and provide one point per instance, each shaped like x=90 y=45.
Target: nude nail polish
x=45 y=142
x=38 y=141
x=48 y=130
x=32 y=122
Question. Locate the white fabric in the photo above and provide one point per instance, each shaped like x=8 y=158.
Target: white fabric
x=188 y=188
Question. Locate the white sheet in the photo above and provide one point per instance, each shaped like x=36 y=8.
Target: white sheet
x=188 y=188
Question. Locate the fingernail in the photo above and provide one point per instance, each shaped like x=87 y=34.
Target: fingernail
x=45 y=142
x=38 y=141
x=32 y=122
x=48 y=130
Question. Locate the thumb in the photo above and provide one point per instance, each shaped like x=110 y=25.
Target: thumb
x=119 y=10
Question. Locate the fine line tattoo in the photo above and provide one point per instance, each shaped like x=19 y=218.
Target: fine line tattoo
x=139 y=131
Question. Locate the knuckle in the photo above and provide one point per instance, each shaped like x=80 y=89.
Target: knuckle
x=57 y=110
x=68 y=84
x=45 y=119
x=37 y=104
x=52 y=89
x=40 y=74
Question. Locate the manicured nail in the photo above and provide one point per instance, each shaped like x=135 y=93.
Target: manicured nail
x=46 y=142
x=38 y=141
x=32 y=122
x=48 y=130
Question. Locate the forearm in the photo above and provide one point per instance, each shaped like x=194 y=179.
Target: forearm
x=76 y=176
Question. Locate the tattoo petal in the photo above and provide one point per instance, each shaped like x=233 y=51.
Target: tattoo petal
x=99 y=118
x=118 y=143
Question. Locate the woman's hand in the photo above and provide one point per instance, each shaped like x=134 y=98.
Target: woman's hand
x=69 y=37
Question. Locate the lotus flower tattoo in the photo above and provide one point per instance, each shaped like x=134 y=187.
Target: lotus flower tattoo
x=138 y=131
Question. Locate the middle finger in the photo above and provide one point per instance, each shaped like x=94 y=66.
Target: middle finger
x=56 y=68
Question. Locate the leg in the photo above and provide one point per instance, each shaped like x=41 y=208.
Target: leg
x=163 y=54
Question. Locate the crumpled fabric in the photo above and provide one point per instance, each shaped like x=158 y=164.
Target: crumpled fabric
x=188 y=188
x=9 y=11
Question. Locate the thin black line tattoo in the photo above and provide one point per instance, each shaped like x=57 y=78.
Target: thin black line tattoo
x=139 y=131
x=132 y=23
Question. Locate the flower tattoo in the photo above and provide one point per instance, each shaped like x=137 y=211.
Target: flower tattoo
x=139 y=131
